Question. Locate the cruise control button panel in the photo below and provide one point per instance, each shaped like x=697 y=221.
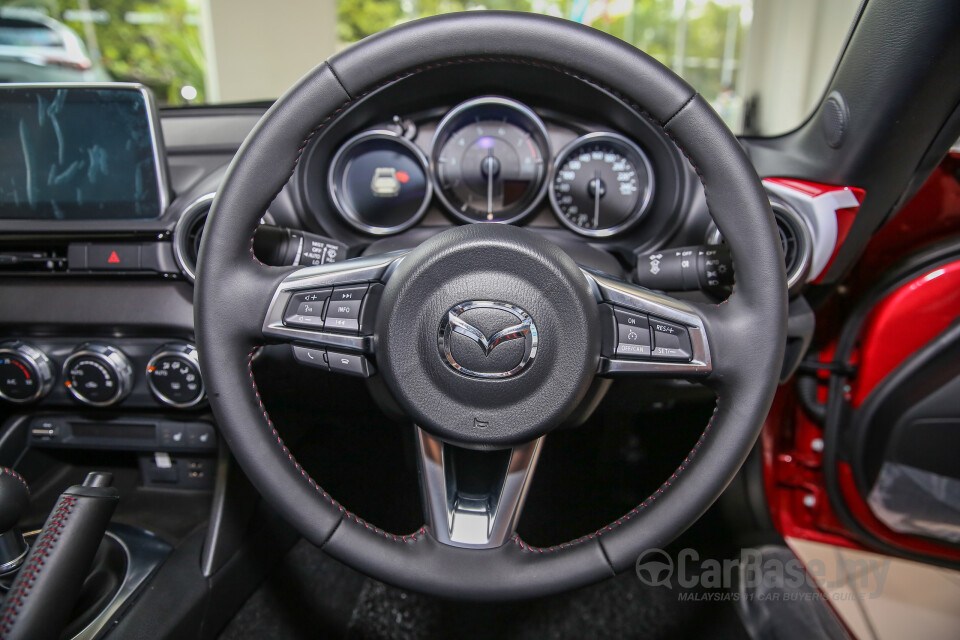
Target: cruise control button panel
x=637 y=335
x=305 y=309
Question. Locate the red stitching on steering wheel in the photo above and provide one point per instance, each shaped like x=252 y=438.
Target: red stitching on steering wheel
x=306 y=476
x=643 y=505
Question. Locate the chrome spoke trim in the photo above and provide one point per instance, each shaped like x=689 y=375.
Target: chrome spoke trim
x=633 y=297
x=469 y=520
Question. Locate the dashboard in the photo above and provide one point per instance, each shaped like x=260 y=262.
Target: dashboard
x=98 y=315
x=437 y=151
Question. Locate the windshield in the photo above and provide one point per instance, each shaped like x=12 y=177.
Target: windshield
x=763 y=65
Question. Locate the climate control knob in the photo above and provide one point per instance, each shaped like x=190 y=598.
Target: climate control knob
x=26 y=374
x=98 y=375
x=173 y=374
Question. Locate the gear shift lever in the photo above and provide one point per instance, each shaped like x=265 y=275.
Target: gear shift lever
x=14 y=500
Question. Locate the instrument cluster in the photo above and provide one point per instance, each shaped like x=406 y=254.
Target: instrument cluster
x=490 y=159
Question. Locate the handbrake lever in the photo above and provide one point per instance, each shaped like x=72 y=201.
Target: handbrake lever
x=46 y=588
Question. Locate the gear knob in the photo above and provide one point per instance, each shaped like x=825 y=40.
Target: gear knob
x=14 y=500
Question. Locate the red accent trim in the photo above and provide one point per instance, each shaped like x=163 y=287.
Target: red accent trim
x=845 y=216
x=813 y=189
x=793 y=472
x=932 y=214
x=902 y=323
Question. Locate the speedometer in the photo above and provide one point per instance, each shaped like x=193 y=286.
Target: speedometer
x=490 y=160
x=602 y=185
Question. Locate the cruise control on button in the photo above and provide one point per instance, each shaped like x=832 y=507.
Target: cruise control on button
x=633 y=332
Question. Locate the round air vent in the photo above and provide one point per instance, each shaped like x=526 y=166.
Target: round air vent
x=795 y=240
x=186 y=235
x=796 y=243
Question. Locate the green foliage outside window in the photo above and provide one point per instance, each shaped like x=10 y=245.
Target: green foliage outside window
x=156 y=43
x=706 y=34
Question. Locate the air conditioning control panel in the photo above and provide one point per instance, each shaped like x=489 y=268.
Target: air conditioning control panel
x=101 y=373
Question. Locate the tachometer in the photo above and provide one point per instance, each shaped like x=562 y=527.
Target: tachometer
x=602 y=185
x=490 y=160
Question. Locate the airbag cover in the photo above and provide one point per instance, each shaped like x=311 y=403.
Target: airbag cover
x=506 y=266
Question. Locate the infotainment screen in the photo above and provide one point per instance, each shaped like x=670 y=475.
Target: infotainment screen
x=80 y=152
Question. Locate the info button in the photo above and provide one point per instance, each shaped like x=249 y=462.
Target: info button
x=343 y=311
x=113 y=257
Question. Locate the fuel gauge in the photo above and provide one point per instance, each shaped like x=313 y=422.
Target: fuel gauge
x=379 y=182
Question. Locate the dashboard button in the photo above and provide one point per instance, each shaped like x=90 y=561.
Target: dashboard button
x=670 y=341
x=305 y=309
x=200 y=435
x=633 y=334
x=349 y=363
x=172 y=434
x=113 y=257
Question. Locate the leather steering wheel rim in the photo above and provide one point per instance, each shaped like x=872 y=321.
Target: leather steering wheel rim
x=747 y=332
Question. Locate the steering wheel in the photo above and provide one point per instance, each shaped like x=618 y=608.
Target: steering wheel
x=488 y=336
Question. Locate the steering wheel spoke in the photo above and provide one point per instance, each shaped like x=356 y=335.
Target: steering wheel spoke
x=646 y=333
x=327 y=312
x=473 y=498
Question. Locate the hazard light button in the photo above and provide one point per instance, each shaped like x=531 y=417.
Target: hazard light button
x=115 y=257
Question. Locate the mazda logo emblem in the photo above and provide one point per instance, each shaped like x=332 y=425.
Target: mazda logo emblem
x=519 y=327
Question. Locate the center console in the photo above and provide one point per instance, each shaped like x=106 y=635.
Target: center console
x=98 y=368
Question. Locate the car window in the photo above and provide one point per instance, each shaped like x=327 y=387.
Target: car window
x=23 y=33
x=763 y=65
